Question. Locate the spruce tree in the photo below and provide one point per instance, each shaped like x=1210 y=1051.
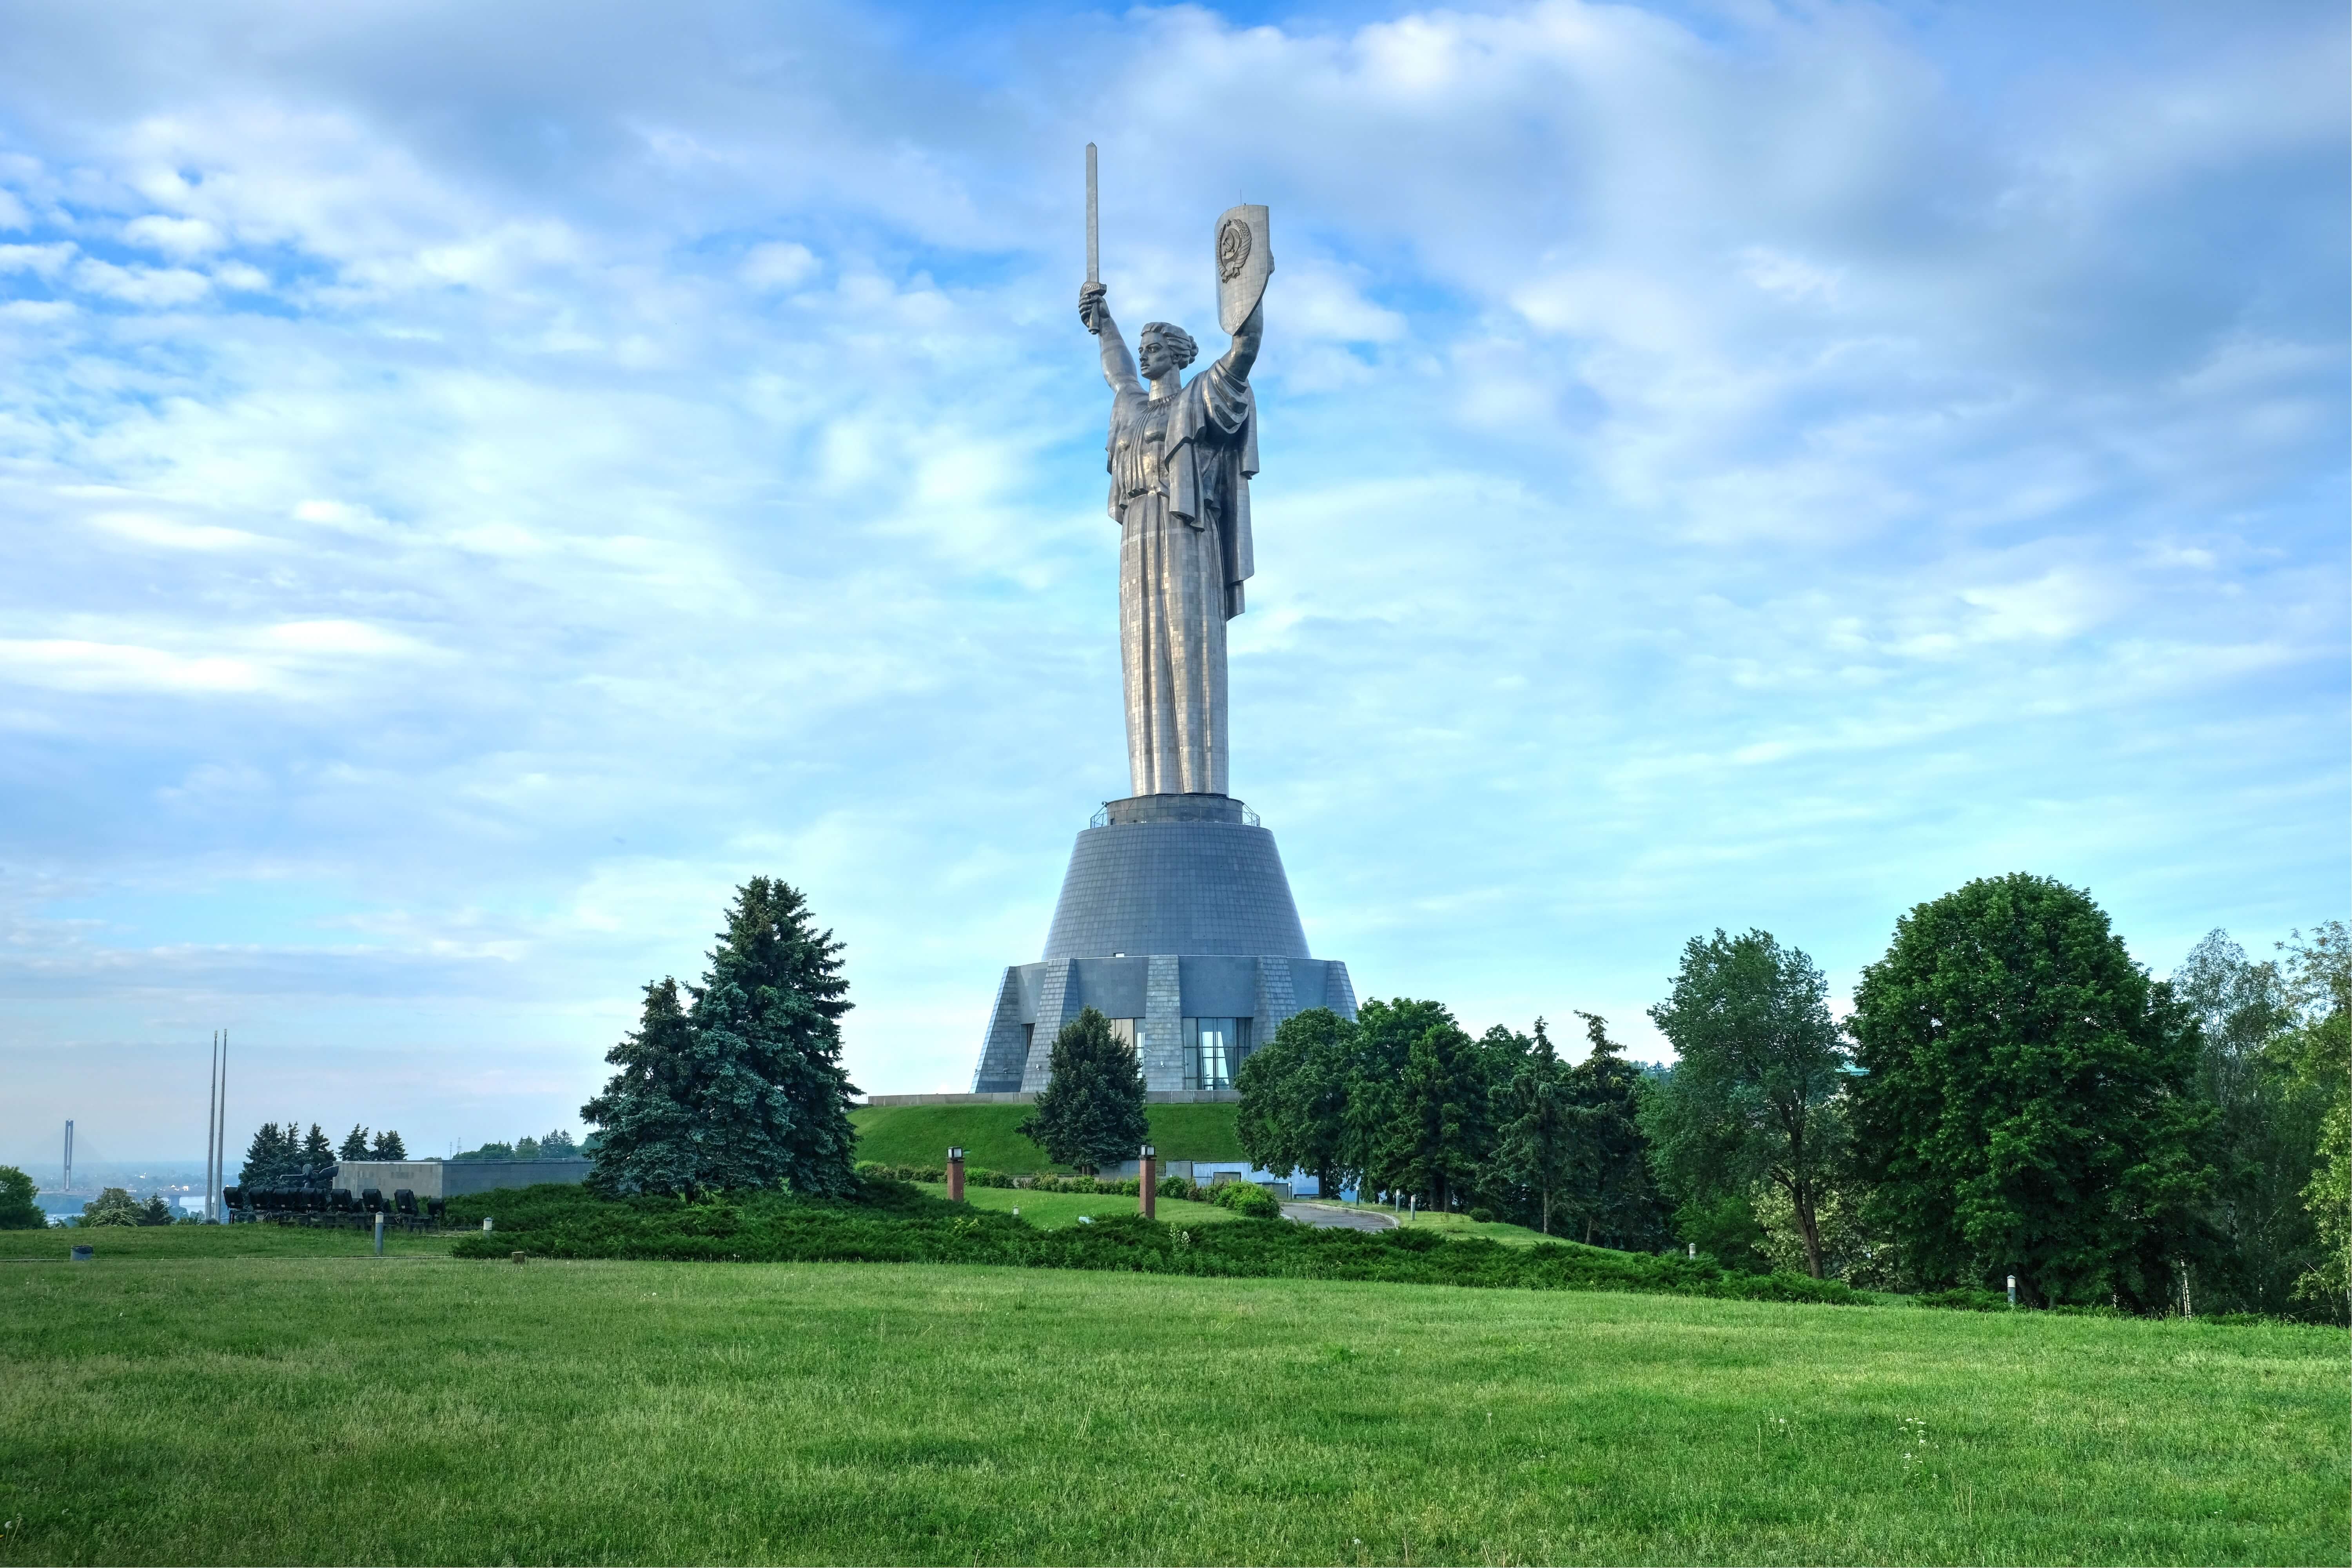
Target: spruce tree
x=355 y=1144
x=388 y=1146
x=1090 y=1113
x=316 y=1152
x=794 y=998
x=742 y=1087
x=269 y=1158
x=1615 y=1197
x=1538 y=1146
x=1439 y=1130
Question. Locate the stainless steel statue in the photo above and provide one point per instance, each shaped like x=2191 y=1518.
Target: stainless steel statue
x=1181 y=457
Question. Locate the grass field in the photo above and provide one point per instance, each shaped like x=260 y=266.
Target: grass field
x=158 y=1407
x=921 y=1135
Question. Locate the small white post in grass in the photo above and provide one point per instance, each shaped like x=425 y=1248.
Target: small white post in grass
x=486 y=1225
x=1693 y=1251
x=2012 y=1289
x=379 y=1233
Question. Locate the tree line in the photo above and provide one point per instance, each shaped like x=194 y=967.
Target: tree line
x=2011 y=1095
x=279 y=1156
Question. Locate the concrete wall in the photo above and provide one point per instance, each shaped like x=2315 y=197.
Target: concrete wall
x=454 y=1178
x=1029 y=1097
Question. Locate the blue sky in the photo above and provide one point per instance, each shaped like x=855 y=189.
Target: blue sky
x=480 y=481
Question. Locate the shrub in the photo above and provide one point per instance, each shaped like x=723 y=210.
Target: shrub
x=1482 y=1216
x=1246 y=1199
x=895 y=1222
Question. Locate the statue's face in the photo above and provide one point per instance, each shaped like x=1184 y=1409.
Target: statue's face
x=1152 y=359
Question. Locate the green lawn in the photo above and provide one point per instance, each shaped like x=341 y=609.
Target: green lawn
x=922 y=1135
x=1460 y=1224
x=1050 y=1211
x=202 y=1241
x=265 y=1408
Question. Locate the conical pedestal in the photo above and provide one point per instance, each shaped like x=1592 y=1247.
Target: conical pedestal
x=1176 y=922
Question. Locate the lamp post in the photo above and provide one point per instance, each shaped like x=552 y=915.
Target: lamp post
x=1146 y=1186
x=955 y=1175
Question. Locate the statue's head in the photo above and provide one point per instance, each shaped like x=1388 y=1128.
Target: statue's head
x=1161 y=347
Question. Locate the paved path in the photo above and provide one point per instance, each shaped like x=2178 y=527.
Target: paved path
x=1333 y=1218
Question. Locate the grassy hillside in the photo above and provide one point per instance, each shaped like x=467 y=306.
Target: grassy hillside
x=425 y=1410
x=922 y=1135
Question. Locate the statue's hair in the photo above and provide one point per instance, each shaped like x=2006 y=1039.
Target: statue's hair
x=1180 y=342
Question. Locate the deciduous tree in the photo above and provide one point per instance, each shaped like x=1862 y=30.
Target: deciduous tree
x=1754 y=1090
x=2266 y=1145
x=19 y=1209
x=1294 y=1090
x=2030 y=1102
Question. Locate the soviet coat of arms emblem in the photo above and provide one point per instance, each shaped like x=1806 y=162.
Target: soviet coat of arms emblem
x=1245 y=261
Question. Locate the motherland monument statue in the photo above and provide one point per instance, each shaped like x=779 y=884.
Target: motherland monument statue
x=1175 y=919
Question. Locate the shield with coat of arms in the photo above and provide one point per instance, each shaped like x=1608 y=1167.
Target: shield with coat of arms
x=1245 y=261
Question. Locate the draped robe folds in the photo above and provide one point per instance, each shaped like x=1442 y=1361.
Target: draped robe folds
x=1180 y=469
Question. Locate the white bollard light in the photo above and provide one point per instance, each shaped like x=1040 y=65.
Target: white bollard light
x=2012 y=1289
x=486 y=1225
x=1693 y=1251
x=379 y=1233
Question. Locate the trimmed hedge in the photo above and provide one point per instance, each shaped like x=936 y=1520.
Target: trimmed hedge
x=894 y=1223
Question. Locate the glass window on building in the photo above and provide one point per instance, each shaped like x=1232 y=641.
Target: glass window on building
x=1218 y=1046
x=1123 y=1031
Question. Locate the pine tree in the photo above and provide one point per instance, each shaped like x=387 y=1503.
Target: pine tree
x=1538 y=1148
x=316 y=1153
x=355 y=1144
x=1090 y=1113
x=388 y=1146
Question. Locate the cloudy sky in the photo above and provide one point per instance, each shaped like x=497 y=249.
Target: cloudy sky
x=480 y=481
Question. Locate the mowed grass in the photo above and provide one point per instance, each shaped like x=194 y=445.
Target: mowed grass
x=1051 y=1211
x=337 y=1408
x=922 y=1135
x=1459 y=1224
x=149 y=1243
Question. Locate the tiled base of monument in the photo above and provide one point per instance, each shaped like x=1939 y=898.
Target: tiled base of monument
x=1176 y=922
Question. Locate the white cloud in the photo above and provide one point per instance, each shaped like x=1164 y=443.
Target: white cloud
x=41 y=261
x=150 y=286
x=182 y=238
x=67 y=664
x=172 y=534
x=780 y=265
